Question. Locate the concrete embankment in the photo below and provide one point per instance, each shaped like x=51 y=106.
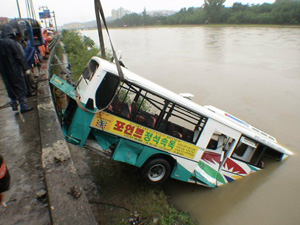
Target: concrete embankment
x=60 y=174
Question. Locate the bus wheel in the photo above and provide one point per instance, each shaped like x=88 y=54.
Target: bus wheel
x=156 y=171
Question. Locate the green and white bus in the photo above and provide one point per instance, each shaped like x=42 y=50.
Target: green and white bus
x=138 y=122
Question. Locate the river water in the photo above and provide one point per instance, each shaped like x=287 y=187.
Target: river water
x=250 y=72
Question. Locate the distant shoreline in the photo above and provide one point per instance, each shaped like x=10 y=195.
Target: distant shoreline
x=200 y=25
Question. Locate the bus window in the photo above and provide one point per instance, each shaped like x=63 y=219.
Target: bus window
x=150 y=110
x=249 y=151
x=182 y=123
x=257 y=156
x=253 y=152
x=122 y=101
x=216 y=155
x=106 y=90
x=220 y=142
x=216 y=141
x=89 y=71
x=138 y=105
x=244 y=150
x=147 y=108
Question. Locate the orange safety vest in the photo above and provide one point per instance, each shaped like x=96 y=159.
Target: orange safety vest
x=3 y=170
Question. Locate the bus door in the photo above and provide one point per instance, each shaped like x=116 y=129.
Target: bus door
x=213 y=159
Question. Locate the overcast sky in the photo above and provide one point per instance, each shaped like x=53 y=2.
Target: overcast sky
x=67 y=11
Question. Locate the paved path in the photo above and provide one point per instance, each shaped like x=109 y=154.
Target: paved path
x=40 y=162
x=20 y=145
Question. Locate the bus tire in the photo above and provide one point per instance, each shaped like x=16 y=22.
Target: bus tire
x=156 y=171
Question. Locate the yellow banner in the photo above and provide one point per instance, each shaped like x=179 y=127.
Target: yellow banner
x=143 y=135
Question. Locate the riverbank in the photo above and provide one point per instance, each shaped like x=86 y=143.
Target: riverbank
x=116 y=193
x=198 y=25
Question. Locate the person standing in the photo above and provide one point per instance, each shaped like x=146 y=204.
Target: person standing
x=44 y=49
x=12 y=68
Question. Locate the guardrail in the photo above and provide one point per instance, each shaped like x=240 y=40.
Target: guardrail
x=60 y=174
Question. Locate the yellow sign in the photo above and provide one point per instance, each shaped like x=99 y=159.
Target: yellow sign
x=143 y=135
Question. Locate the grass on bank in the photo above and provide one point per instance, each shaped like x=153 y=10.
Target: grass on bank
x=122 y=193
x=56 y=69
x=80 y=50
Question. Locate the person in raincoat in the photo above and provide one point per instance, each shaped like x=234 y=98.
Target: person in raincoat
x=12 y=68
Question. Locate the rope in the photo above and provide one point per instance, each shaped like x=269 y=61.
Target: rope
x=99 y=26
x=112 y=205
x=99 y=12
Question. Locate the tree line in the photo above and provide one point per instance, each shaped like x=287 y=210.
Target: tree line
x=283 y=12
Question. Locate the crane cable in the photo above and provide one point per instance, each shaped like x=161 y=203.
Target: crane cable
x=99 y=13
x=99 y=10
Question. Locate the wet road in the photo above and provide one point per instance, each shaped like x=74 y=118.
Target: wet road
x=20 y=145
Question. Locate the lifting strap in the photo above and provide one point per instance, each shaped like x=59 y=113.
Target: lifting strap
x=99 y=10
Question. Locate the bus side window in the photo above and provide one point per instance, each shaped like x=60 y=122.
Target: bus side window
x=217 y=141
x=151 y=110
x=248 y=151
x=182 y=123
x=106 y=90
x=115 y=105
x=173 y=130
x=125 y=111
x=89 y=71
x=146 y=107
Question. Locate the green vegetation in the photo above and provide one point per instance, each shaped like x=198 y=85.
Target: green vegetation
x=282 y=12
x=80 y=50
x=213 y=9
x=123 y=193
x=58 y=52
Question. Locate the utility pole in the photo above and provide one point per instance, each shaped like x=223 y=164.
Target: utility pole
x=54 y=20
x=19 y=9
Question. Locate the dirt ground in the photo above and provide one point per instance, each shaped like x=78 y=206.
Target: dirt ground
x=108 y=197
x=117 y=195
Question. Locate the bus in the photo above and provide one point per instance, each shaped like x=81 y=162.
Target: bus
x=164 y=134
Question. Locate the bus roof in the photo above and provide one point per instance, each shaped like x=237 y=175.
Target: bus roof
x=209 y=111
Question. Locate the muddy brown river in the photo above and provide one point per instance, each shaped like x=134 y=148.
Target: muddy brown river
x=254 y=74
